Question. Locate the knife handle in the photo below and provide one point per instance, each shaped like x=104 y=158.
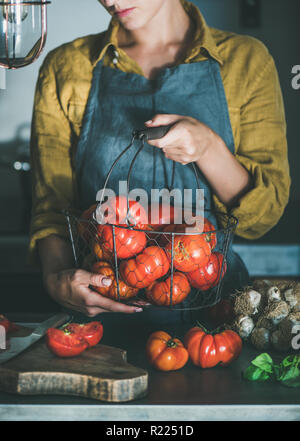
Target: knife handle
x=52 y=322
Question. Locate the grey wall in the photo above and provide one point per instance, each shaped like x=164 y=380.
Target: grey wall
x=68 y=19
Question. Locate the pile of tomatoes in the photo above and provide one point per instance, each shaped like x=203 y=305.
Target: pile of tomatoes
x=205 y=349
x=146 y=256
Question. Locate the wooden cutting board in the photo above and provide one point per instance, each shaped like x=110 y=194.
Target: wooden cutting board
x=100 y=372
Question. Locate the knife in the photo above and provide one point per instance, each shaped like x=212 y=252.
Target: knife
x=19 y=344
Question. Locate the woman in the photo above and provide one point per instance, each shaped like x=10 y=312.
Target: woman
x=157 y=64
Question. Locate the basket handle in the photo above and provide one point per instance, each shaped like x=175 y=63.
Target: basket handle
x=152 y=132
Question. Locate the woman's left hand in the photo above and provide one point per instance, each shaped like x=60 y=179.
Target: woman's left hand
x=187 y=141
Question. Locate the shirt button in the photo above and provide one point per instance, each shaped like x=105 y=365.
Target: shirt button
x=116 y=56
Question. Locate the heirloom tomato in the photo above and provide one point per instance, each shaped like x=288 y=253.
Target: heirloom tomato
x=84 y=223
x=7 y=324
x=101 y=253
x=163 y=214
x=148 y=266
x=211 y=349
x=189 y=252
x=91 y=332
x=166 y=353
x=126 y=291
x=116 y=212
x=128 y=242
x=210 y=237
x=207 y=276
x=160 y=291
x=64 y=343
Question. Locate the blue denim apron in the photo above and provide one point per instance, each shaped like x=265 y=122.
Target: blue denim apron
x=120 y=102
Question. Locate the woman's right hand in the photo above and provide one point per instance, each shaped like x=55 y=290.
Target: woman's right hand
x=71 y=288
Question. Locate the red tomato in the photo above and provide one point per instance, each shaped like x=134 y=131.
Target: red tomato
x=208 y=276
x=117 y=209
x=207 y=350
x=84 y=226
x=211 y=237
x=64 y=343
x=148 y=266
x=4 y=322
x=91 y=332
x=189 y=252
x=111 y=291
x=7 y=324
x=165 y=239
x=128 y=242
x=160 y=292
x=165 y=214
x=166 y=353
x=101 y=253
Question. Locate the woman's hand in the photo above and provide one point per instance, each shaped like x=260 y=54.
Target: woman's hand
x=71 y=288
x=187 y=141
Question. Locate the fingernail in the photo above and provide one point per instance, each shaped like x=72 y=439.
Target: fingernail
x=106 y=281
x=149 y=122
x=138 y=309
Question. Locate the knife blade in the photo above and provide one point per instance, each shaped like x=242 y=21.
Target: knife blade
x=19 y=344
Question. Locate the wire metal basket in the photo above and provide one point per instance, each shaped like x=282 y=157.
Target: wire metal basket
x=167 y=266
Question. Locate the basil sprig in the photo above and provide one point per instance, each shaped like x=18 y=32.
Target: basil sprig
x=263 y=369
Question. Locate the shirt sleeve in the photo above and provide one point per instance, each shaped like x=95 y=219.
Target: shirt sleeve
x=263 y=152
x=51 y=161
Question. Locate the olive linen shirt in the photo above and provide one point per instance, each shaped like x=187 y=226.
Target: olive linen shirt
x=256 y=112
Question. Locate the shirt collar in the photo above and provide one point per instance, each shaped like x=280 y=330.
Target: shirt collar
x=203 y=38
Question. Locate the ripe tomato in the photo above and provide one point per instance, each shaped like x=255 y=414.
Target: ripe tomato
x=148 y=266
x=64 y=343
x=91 y=332
x=116 y=210
x=208 y=350
x=160 y=292
x=166 y=353
x=7 y=324
x=182 y=228
x=128 y=242
x=207 y=276
x=84 y=226
x=164 y=215
x=165 y=239
x=190 y=252
x=101 y=253
x=111 y=291
x=211 y=237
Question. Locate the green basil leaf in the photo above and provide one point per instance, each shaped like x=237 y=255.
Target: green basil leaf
x=290 y=373
x=264 y=362
x=287 y=361
x=253 y=373
x=293 y=381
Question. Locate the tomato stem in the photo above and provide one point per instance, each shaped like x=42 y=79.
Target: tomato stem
x=171 y=343
x=213 y=332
